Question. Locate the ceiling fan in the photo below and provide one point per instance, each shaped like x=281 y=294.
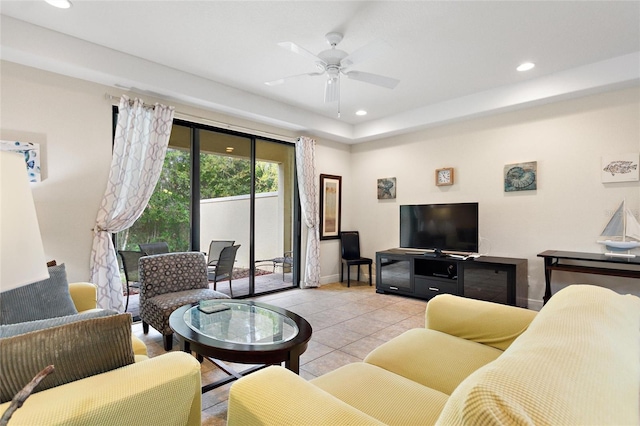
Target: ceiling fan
x=335 y=62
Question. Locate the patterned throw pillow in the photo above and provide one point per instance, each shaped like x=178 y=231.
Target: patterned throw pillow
x=77 y=350
x=44 y=299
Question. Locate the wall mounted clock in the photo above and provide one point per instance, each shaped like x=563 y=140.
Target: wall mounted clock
x=444 y=176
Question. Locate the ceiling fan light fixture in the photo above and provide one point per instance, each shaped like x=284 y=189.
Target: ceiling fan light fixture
x=60 y=4
x=526 y=66
x=332 y=90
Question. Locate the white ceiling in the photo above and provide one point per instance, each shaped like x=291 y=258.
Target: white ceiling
x=454 y=59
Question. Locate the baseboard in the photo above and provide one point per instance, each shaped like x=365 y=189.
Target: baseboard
x=335 y=278
x=328 y=279
x=534 y=305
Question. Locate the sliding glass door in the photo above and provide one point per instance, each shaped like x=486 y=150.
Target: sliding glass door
x=225 y=202
x=274 y=234
x=219 y=186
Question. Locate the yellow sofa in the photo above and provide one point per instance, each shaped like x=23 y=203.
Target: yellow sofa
x=164 y=390
x=576 y=362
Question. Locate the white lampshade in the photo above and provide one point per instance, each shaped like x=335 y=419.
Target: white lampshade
x=22 y=258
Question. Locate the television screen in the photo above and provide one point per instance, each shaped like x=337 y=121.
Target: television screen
x=448 y=227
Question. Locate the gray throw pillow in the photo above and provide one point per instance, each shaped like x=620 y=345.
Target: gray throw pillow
x=26 y=327
x=76 y=350
x=44 y=299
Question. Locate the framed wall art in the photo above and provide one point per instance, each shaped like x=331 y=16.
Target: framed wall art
x=330 y=206
x=521 y=177
x=620 y=168
x=386 y=188
x=31 y=153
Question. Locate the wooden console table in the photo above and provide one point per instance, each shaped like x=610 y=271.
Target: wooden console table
x=552 y=259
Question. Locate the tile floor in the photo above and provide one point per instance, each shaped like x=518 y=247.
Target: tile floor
x=347 y=324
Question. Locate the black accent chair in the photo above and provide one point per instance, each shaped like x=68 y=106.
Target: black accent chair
x=154 y=248
x=224 y=267
x=350 y=248
x=130 y=265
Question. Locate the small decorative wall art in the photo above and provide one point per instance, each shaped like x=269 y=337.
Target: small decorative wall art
x=31 y=153
x=620 y=168
x=521 y=176
x=386 y=188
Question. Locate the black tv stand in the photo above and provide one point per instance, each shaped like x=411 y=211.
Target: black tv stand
x=423 y=275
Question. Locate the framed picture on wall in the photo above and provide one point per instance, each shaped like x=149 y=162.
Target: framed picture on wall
x=521 y=177
x=386 y=188
x=330 y=205
x=31 y=153
x=620 y=168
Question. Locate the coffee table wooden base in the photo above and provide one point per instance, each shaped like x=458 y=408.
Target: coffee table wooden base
x=233 y=373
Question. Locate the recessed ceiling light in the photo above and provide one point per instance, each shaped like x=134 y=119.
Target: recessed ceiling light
x=361 y=112
x=62 y=4
x=526 y=66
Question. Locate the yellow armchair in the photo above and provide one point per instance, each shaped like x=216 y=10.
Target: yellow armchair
x=84 y=296
x=164 y=390
x=160 y=390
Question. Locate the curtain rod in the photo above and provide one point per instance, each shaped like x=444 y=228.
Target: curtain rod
x=220 y=124
x=115 y=98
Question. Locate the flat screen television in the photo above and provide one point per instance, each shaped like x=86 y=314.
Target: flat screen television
x=446 y=227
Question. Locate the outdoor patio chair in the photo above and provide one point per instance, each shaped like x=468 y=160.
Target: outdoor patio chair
x=215 y=248
x=286 y=261
x=350 y=248
x=224 y=267
x=167 y=282
x=130 y=265
x=154 y=248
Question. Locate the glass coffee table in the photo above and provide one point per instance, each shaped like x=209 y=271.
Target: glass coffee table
x=243 y=332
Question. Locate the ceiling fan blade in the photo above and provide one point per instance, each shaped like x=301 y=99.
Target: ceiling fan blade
x=291 y=77
x=366 y=52
x=299 y=50
x=332 y=90
x=378 y=80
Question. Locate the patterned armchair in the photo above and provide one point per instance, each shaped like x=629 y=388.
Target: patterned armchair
x=167 y=282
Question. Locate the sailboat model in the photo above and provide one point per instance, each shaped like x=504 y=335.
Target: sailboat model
x=624 y=230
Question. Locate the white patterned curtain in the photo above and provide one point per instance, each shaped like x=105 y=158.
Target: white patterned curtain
x=307 y=183
x=139 y=148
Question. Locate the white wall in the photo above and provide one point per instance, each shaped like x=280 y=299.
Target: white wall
x=569 y=208
x=227 y=218
x=333 y=158
x=71 y=119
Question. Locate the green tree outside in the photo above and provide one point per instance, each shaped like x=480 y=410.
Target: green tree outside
x=166 y=217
